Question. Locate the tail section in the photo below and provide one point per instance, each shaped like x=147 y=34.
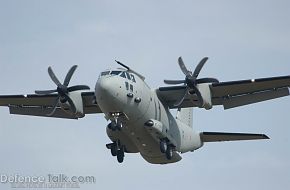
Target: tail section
x=185 y=115
x=218 y=136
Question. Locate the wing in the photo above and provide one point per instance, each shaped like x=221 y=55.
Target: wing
x=41 y=105
x=230 y=94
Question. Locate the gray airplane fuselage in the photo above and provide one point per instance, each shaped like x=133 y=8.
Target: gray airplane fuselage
x=127 y=94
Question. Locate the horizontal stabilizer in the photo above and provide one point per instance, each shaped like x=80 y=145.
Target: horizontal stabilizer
x=217 y=136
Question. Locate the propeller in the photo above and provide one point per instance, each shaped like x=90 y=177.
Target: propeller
x=62 y=90
x=191 y=80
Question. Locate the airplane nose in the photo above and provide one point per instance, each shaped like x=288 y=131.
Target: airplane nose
x=104 y=88
x=106 y=94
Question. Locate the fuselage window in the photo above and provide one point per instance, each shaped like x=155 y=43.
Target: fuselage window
x=131 y=87
x=127 y=85
x=123 y=75
x=115 y=72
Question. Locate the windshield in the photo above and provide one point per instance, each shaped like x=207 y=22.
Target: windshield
x=110 y=73
x=123 y=74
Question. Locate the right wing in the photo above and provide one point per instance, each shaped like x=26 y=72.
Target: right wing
x=41 y=105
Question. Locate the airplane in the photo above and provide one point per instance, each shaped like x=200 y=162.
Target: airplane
x=139 y=117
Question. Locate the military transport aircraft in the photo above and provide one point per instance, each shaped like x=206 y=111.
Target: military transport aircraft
x=139 y=117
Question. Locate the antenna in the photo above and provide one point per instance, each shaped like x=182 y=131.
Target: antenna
x=123 y=65
x=128 y=68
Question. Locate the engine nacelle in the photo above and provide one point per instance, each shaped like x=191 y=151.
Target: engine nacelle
x=77 y=99
x=206 y=95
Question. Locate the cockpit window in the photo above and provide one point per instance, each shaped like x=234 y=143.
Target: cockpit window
x=115 y=72
x=105 y=73
x=123 y=75
x=133 y=78
x=128 y=76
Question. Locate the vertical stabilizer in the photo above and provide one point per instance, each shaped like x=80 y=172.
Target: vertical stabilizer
x=185 y=116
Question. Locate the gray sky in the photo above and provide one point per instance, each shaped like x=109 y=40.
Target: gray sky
x=244 y=39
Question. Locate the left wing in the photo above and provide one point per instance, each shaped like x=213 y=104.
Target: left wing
x=229 y=94
x=42 y=105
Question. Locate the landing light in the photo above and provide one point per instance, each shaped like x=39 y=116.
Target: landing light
x=137 y=100
x=149 y=123
x=130 y=95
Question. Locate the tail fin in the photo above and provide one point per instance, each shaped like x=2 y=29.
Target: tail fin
x=185 y=116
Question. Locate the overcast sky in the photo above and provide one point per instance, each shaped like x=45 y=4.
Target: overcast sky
x=243 y=39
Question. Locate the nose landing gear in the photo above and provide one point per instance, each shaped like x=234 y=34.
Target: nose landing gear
x=117 y=150
x=115 y=124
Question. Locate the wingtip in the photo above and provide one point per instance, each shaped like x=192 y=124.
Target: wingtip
x=265 y=136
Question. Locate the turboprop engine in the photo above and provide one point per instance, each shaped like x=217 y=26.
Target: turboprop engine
x=205 y=94
x=194 y=85
x=69 y=98
x=77 y=100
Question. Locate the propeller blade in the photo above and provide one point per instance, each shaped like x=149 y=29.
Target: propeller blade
x=78 y=87
x=53 y=77
x=174 y=81
x=199 y=67
x=183 y=67
x=207 y=80
x=72 y=105
x=54 y=107
x=44 y=92
x=198 y=94
x=181 y=100
x=69 y=75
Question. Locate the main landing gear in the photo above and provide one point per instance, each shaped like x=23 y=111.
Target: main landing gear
x=166 y=149
x=115 y=124
x=117 y=150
